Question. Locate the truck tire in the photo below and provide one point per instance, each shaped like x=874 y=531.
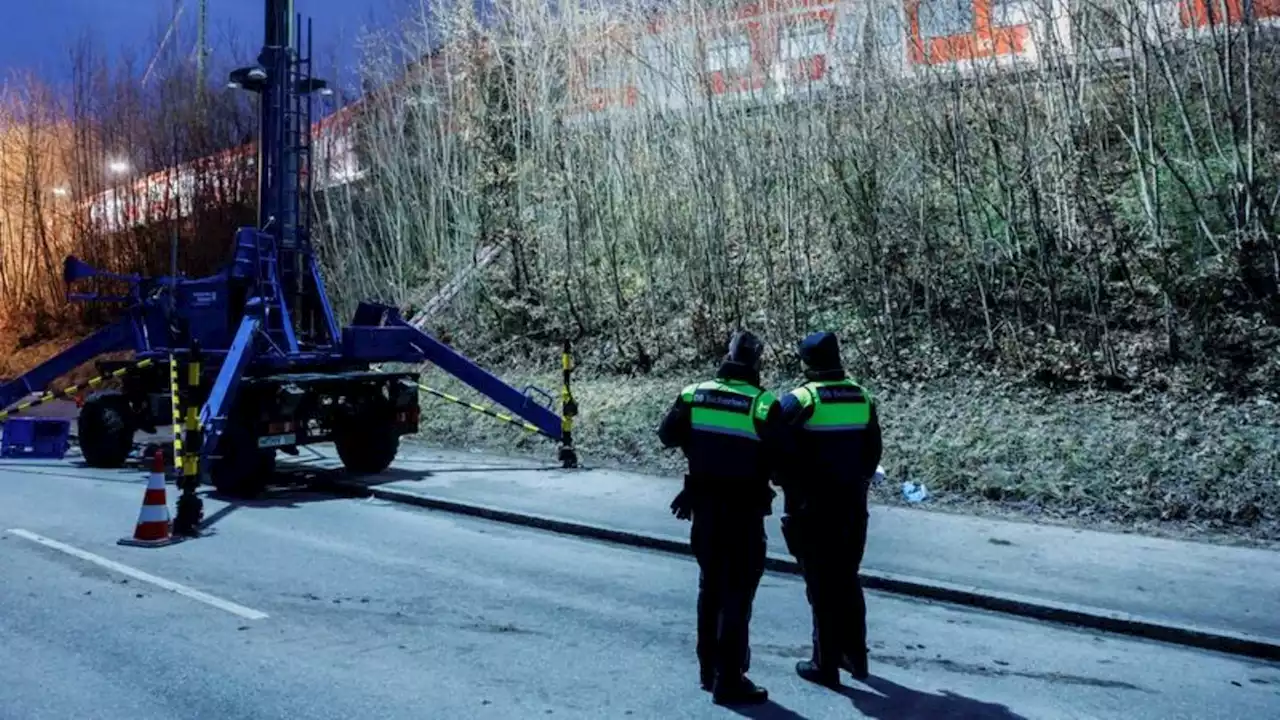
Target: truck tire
x=367 y=443
x=241 y=470
x=104 y=430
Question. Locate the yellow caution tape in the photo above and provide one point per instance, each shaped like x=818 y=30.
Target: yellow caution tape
x=481 y=409
x=72 y=390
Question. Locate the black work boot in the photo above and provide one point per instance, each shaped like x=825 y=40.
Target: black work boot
x=855 y=665
x=738 y=691
x=810 y=671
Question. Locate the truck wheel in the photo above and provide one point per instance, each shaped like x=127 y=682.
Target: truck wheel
x=241 y=470
x=367 y=443
x=104 y=431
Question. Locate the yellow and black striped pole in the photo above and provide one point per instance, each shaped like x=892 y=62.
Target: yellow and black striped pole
x=191 y=460
x=175 y=403
x=190 y=508
x=568 y=456
x=73 y=390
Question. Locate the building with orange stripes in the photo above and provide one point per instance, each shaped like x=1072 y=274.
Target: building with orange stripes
x=757 y=52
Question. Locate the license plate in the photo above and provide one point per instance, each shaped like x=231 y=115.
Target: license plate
x=272 y=441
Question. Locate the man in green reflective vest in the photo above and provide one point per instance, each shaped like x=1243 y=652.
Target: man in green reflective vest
x=832 y=443
x=726 y=428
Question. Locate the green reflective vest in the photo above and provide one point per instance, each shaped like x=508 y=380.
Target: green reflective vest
x=727 y=407
x=838 y=405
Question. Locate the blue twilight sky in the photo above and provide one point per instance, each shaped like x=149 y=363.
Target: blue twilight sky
x=38 y=34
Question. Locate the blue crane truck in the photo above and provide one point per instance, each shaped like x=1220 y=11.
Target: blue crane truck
x=275 y=369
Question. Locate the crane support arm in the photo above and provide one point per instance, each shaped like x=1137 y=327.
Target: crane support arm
x=223 y=393
x=119 y=335
x=379 y=334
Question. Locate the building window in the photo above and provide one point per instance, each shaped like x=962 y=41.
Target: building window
x=1008 y=13
x=885 y=31
x=728 y=53
x=655 y=64
x=803 y=39
x=945 y=18
x=666 y=65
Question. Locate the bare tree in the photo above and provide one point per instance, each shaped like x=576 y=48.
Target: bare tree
x=1095 y=212
x=114 y=165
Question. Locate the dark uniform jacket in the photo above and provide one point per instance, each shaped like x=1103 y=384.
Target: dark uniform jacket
x=827 y=467
x=727 y=471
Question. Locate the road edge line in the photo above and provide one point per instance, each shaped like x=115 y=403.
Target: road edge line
x=1228 y=642
x=132 y=572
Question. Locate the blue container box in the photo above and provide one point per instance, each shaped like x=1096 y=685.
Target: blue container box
x=45 y=438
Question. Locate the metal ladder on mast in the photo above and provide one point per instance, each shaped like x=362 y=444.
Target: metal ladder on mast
x=297 y=181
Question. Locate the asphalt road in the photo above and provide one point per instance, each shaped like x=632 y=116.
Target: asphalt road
x=316 y=607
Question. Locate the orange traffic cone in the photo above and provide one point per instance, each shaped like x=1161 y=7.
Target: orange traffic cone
x=153 y=528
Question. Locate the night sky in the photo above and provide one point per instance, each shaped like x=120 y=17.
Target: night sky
x=38 y=34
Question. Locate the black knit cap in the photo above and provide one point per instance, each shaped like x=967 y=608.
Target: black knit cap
x=820 y=352
x=745 y=349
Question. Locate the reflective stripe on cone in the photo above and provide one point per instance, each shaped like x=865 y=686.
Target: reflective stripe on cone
x=153 y=528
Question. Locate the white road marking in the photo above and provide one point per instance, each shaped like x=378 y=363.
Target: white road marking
x=207 y=599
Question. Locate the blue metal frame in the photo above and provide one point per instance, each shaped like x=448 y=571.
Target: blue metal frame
x=379 y=334
x=222 y=396
x=326 y=309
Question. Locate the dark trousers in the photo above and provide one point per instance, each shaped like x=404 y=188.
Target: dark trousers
x=730 y=549
x=829 y=546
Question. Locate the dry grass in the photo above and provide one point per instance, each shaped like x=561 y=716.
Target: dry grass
x=1186 y=467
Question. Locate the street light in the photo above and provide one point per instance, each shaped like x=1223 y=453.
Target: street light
x=118 y=167
x=253 y=79
x=61 y=191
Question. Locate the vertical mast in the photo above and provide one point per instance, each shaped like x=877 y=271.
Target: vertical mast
x=201 y=19
x=282 y=81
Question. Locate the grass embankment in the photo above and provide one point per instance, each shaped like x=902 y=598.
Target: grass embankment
x=1193 y=467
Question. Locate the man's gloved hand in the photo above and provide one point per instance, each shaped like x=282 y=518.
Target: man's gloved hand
x=682 y=506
